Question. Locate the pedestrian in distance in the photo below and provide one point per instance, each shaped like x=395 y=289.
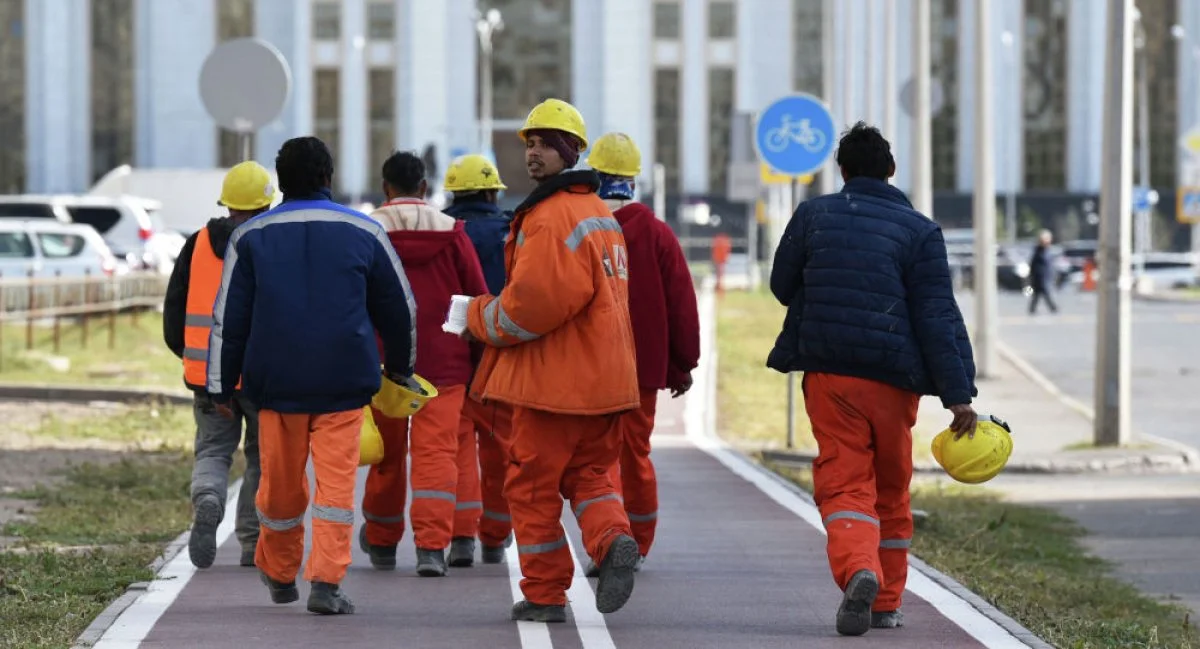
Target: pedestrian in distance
x=666 y=327
x=246 y=192
x=317 y=278
x=485 y=429
x=873 y=324
x=440 y=262
x=1041 y=274
x=560 y=352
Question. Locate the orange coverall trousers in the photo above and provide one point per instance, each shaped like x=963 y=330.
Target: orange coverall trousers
x=284 y=443
x=433 y=439
x=491 y=424
x=633 y=475
x=861 y=476
x=570 y=456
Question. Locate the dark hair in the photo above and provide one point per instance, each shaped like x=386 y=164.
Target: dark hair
x=304 y=165
x=863 y=151
x=404 y=171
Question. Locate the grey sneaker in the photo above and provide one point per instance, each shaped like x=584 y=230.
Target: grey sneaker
x=462 y=552
x=328 y=599
x=202 y=544
x=490 y=554
x=524 y=611
x=431 y=563
x=854 y=615
x=247 y=559
x=887 y=620
x=616 y=574
x=382 y=556
x=281 y=593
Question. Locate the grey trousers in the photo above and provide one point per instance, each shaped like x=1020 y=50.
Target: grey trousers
x=216 y=440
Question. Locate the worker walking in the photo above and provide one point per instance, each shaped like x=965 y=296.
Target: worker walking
x=246 y=192
x=440 y=262
x=317 y=277
x=873 y=324
x=666 y=326
x=483 y=442
x=560 y=351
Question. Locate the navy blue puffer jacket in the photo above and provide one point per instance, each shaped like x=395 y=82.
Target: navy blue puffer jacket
x=487 y=226
x=867 y=288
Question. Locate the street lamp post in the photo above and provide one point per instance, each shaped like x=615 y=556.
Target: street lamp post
x=486 y=25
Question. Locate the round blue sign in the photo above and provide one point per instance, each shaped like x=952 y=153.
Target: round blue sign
x=795 y=135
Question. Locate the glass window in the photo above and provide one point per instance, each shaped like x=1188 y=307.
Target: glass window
x=26 y=210
x=58 y=245
x=15 y=245
x=531 y=56
x=381 y=21
x=944 y=57
x=722 y=20
x=1162 y=73
x=720 y=116
x=112 y=85
x=327 y=90
x=666 y=20
x=102 y=219
x=382 y=134
x=666 y=124
x=807 y=46
x=1044 y=91
x=327 y=21
x=235 y=19
x=12 y=97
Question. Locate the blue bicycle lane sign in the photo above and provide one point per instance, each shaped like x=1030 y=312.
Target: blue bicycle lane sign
x=795 y=134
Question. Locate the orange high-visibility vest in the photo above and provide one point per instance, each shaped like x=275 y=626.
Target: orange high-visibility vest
x=203 y=284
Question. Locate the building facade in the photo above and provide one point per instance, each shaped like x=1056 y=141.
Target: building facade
x=87 y=85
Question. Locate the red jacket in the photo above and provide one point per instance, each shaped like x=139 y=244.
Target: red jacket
x=440 y=261
x=662 y=300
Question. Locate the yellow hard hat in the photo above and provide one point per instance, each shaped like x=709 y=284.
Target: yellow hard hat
x=472 y=173
x=617 y=155
x=370 y=441
x=402 y=398
x=974 y=459
x=558 y=115
x=247 y=187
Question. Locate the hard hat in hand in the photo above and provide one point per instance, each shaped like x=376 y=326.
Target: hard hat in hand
x=401 y=397
x=976 y=459
x=370 y=441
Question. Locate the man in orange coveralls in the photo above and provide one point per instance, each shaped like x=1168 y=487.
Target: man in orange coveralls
x=560 y=350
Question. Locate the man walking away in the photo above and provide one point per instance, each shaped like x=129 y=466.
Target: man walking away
x=318 y=278
x=560 y=351
x=666 y=327
x=872 y=323
x=440 y=262
x=187 y=319
x=1041 y=273
x=476 y=184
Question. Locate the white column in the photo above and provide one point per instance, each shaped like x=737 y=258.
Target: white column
x=351 y=158
x=965 y=168
x=288 y=26
x=1009 y=67
x=173 y=129
x=589 y=54
x=420 y=77
x=57 y=96
x=1086 y=25
x=626 y=77
x=462 y=67
x=693 y=107
x=1004 y=15
x=902 y=139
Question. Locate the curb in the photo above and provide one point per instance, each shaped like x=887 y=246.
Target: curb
x=1170 y=299
x=1143 y=463
x=84 y=394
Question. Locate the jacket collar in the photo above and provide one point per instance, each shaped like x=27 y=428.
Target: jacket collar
x=876 y=188
x=323 y=194
x=560 y=182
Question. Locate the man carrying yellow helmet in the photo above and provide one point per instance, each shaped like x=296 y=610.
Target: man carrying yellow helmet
x=187 y=318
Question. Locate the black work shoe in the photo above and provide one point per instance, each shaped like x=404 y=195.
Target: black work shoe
x=524 y=611
x=383 y=557
x=887 y=619
x=281 y=593
x=202 y=544
x=854 y=615
x=247 y=559
x=462 y=552
x=491 y=554
x=328 y=599
x=591 y=570
x=431 y=563
x=616 y=574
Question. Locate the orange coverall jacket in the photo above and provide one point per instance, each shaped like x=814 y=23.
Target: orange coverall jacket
x=558 y=336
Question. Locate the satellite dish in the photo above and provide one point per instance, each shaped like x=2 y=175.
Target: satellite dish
x=244 y=84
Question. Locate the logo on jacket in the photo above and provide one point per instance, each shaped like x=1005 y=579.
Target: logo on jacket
x=607 y=261
x=622 y=262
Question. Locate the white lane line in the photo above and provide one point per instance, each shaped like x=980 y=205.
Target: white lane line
x=700 y=426
x=134 y=624
x=593 y=632
x=534 y=635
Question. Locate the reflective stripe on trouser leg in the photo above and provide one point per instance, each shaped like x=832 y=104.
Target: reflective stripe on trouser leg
x=282 y=494
x=335 y=466
x=433 y=443
x=639 y=484
x=469 y=502
x=586 y=481
x=386 y=490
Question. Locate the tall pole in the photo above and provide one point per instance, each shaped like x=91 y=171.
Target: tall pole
x=1112 y=421
x=889 y=69
x=922 y=174
x=1012 y=105
x=828 y=78
x=986 y=322
x=486 y=25
x=1143 y=113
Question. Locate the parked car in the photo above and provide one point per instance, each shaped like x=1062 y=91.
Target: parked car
x=1161 y=270
x=129 y=225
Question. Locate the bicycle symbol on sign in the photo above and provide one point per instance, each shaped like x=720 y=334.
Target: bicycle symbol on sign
x=801 y=133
